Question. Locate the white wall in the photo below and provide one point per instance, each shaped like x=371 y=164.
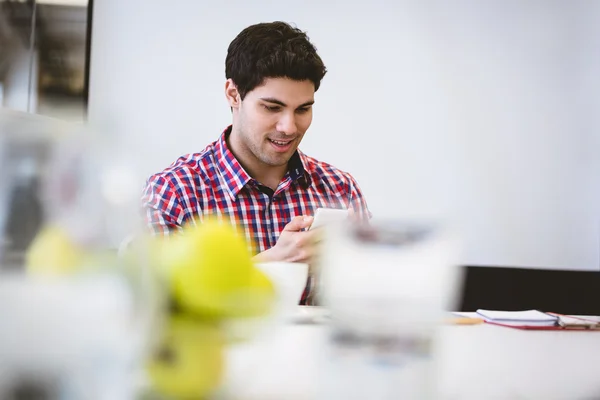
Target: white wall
x=480 y=112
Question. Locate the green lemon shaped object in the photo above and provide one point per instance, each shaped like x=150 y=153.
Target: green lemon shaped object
x=211 y=272
x=52 y=252
x=188 y=362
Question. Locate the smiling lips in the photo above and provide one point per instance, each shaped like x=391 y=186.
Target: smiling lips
x=281 y=145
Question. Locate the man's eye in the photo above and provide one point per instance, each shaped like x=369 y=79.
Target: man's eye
x=302 y=110
x=272 y=108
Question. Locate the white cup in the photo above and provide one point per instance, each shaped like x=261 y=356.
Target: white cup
x=246 y=359
x=289 y=280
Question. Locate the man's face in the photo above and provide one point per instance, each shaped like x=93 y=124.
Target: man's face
x=271 y=120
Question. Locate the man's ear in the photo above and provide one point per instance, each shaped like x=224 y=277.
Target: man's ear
x=231 y=94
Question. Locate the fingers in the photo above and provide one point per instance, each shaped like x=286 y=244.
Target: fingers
x=298 y=223
x=353 y=216
x=304 y=254
x=315 y=236
x=303 y=245
x=351 y=212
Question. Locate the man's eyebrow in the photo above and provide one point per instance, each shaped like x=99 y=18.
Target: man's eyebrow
x=308 y=103
x=282 y=104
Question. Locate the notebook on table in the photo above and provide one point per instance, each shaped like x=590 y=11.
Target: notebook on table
x=536 y=320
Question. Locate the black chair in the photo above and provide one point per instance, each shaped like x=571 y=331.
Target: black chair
x=513 y=289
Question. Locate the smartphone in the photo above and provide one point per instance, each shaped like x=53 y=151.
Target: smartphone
x=324 y=216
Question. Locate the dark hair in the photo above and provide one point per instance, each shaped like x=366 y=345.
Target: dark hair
x=272 y=50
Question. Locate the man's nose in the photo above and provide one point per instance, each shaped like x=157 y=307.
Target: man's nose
x=287 y=124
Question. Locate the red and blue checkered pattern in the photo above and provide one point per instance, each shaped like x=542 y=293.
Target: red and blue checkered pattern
x=214 y=183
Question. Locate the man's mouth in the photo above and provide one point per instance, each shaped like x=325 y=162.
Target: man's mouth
x=281 y=145
x=281 y=142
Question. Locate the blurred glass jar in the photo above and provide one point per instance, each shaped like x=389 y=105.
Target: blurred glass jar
x=69 y=195
x=387 y=285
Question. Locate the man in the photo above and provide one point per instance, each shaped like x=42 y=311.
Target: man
x=254 y=173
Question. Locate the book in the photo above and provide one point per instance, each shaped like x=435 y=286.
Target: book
x=527 y=318
x=572 y=322
x=538 y=320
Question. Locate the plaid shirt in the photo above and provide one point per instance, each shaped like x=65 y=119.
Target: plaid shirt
x=214 y=183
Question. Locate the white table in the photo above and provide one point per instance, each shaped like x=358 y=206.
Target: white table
x=474 y=362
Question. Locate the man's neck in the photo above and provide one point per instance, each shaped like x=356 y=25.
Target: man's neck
x=267 y=175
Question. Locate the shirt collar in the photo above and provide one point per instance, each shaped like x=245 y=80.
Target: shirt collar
x=236 y=176
x=298 y=169
x=232 y=171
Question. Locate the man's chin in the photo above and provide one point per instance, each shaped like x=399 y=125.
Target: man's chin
x=277 y=161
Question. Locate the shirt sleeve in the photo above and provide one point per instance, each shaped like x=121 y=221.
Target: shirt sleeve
x=358 y=202
x=162 y=210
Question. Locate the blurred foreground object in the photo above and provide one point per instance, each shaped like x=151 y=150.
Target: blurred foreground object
x=211 y=272
x=211 y=281
x=387 y=285
x=189 y=362
x=85 y=321
x=76 y=318
x=52 y=252
x=26 y=143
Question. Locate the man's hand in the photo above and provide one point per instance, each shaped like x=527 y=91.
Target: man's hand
x=294 y=245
